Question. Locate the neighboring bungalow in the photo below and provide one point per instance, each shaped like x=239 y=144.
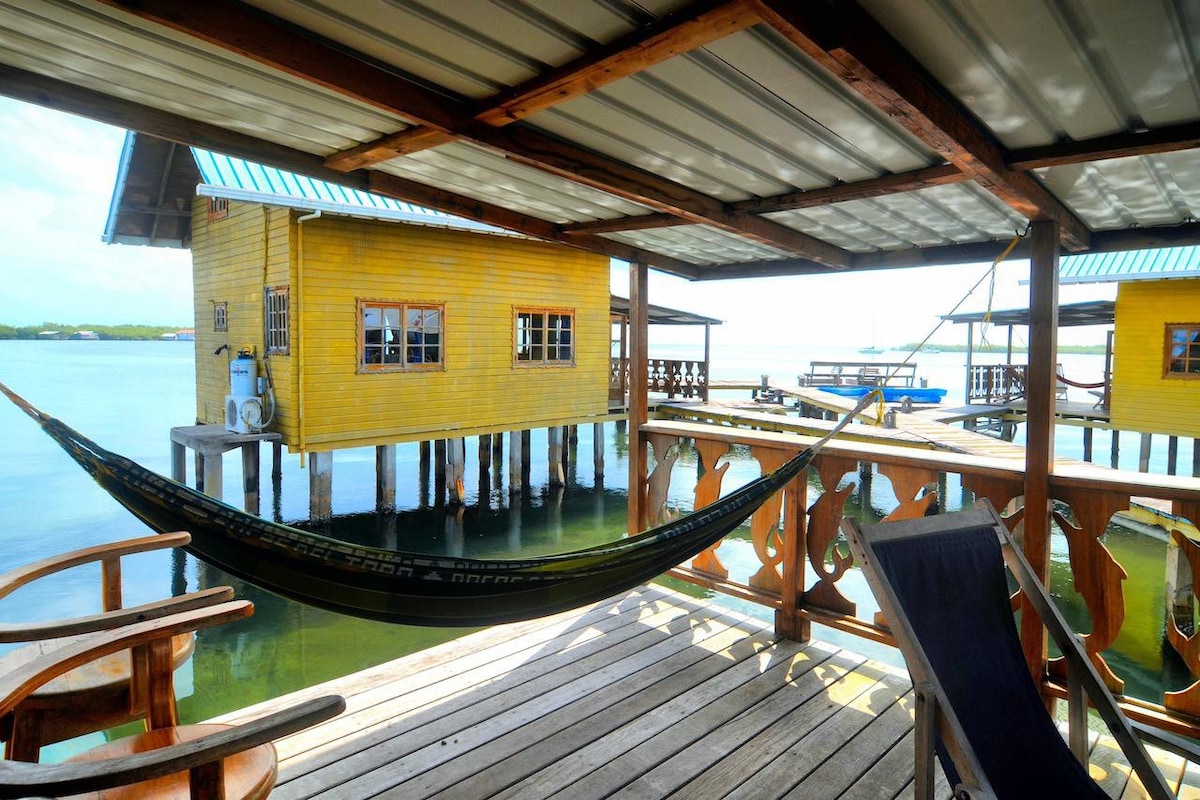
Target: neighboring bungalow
x=374 y=321
x=1155 y=384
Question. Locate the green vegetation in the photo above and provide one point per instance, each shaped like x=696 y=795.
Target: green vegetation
x=101 y=331
x=1000 y=348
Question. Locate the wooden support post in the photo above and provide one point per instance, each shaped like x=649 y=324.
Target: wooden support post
x=456 y=469
x=514 y=462
x=198 y=469
x=439 y=472
x=1087 y=443
x=789 y=622
x=1144 y=453
x=1172 y=455
x=485 y=452
x=485 y=469
x=214 y=476
x=320 y=486
x=1196 y=458
x=598 y=451
x=1115 y=456
x=423 y=459
x=250 y=468
x=1041 y=378
x=498 y=452
x=385 y=478
x=554 y=455
x=526 y=456
x=639 y=367
x=178 y=462
x=276 y=461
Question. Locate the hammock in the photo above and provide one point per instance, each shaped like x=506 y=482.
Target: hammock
x=405 y=587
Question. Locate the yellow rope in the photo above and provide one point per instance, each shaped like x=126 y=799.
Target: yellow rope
x=990 y=273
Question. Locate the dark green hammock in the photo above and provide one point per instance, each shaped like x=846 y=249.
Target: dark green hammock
x=405 y=587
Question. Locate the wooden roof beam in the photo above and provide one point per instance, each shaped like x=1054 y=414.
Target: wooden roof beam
x=270 y=42
x=481 y=211
x=1170 y=139
x=688 y=29
x=847 y=42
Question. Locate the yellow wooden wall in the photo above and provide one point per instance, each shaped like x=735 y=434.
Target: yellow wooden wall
x=1142 y=398
x=331 y=262
x=230 y=260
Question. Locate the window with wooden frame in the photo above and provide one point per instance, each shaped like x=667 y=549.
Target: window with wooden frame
x=544 y=336
x=276 y=317
x=1183 y=350
x=400 y=336
x=218 y=208
x=220 y=316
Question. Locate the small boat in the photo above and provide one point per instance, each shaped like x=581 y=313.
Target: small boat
x=872 y=350
x=891 y=394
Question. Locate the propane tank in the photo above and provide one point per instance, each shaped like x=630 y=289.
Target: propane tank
x=243 y=374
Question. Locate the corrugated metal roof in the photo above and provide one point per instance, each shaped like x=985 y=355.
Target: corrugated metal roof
x=237 y=179
x=1132 y=265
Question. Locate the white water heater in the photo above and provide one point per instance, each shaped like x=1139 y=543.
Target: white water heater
x=243 y=374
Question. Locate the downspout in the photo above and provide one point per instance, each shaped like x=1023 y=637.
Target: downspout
x=298 y=305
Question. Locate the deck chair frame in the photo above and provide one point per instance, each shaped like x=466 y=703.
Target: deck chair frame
x=933 y=711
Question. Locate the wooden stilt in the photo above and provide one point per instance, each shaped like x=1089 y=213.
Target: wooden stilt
x=1144 y=453
x=423 y=459
x=554 y=454
x=439 y=472
x=178 y=462
x=250 y=469
x=276 y=461
x=1087 y=444
x=526 y=460
x=385 y=478
x=514 y=462
x=320 y=486
x=1172 y=455
x=456 y=457
x=598 y=450
x=214 y=476
x=485 y=451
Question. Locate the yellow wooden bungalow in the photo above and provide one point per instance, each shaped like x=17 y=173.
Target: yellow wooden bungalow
x=719 y=140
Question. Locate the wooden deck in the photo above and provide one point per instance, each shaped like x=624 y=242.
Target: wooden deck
x=651 y=694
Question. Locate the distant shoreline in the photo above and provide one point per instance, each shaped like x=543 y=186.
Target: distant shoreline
x=53 y=331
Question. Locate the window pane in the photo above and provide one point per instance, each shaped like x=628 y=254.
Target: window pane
x=371 y=317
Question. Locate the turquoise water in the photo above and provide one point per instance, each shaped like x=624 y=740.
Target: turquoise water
x=127 y=395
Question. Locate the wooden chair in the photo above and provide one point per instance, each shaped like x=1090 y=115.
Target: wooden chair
x=941 y=585
x=96 y=695
x=196 y=761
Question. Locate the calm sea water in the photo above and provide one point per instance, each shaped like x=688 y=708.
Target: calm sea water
x=127 y=395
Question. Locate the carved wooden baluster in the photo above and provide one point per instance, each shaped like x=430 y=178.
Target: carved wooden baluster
x=824 y=517
x=999 y=492
x=906 y=483
x=1187 y=644
x=1097 y=575
x=666 y=451
x=708 y=489
x=765 y=527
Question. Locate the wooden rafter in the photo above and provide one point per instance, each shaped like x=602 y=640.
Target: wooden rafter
x=1170 y=139
x=693 y=27
x=855 y=49
x=268 y=41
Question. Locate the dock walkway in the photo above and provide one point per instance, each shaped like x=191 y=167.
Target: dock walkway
x=650 y=694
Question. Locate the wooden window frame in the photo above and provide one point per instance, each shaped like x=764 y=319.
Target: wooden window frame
x=525 y=356
x=220 y=317
x=218 y=208
x=277 y=318
x=363 y=348
x=1181 y=351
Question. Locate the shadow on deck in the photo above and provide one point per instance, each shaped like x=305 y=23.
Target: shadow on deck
x=650 y=694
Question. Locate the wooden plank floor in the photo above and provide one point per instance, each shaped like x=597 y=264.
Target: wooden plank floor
x=648 y=695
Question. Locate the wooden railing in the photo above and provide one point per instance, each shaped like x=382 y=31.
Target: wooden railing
x=802 y=558
x=672 y=377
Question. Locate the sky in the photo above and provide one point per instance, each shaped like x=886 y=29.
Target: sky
x=57 y=173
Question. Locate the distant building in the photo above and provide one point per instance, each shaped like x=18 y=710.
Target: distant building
x=89 y=335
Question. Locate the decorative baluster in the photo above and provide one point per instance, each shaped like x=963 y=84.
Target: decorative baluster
x=1097 y=575
x=708 y=489
x=666 y=451
x=1183 y=583
x=765 y=527
x=906 y=483
x=824 y=517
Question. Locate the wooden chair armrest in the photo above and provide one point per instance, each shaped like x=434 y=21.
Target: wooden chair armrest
x=16 y=578
x=53 y=629
x=18 y=779
x=23 y=680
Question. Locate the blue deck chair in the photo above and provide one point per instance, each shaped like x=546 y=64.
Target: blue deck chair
x=942 y=586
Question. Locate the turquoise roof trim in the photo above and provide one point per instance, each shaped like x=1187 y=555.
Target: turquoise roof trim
x=236 y=179
x=1131 y=265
